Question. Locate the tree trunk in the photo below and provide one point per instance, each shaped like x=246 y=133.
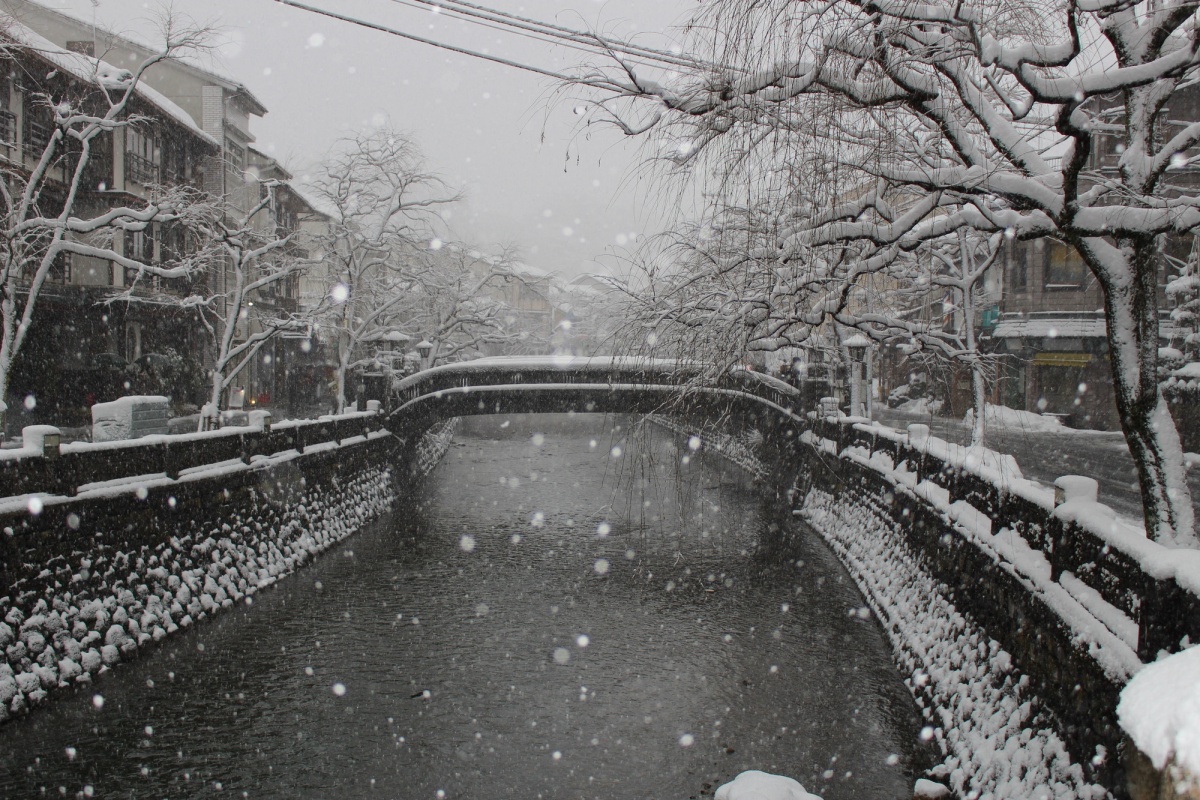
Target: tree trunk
x=212 y=420
x=1131 y=306
x=978 y=384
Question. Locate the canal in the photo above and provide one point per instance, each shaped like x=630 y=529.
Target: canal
x=573 y=607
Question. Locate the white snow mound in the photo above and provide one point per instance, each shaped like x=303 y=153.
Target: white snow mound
x=755 y=785
x=1005 y=417
x=1160 y=710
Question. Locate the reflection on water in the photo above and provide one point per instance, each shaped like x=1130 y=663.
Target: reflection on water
x=570 y=610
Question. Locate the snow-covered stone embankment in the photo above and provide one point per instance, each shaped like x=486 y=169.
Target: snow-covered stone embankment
x=981 y=714
x=112 y=590
x=741 y=449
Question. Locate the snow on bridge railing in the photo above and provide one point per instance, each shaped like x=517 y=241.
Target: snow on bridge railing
x=606 y=370
x=1061 y=538
x=42 y=466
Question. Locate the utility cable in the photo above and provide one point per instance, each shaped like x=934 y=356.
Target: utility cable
x=561 y=32
x=413 y=37
x=502 y=27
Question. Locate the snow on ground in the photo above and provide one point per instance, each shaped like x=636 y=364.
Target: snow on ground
x=1160 y=710
x=981 y=714
x=1005 y=417
x=922 y=406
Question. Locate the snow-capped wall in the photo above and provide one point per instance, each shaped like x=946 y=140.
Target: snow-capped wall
x=90 y=581
x=996 y=737
x=1016 y=674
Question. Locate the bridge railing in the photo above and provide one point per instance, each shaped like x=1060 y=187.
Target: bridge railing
x=65 y=470
x=1156 y=588
x=591 y=372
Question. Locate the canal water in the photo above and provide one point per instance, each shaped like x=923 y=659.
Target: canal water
x=574 y=607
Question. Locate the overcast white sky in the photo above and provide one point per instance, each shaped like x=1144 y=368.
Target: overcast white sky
x=531 y=180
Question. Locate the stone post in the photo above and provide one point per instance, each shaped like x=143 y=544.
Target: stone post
x=1159 y=712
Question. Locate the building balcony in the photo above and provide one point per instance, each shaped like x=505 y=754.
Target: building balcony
x=140 y=170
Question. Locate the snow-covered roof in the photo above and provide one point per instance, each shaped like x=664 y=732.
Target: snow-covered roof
x=1051 y=328
x=95 y=71
x=207 y=71
x=1063 y=327
x=316 y=202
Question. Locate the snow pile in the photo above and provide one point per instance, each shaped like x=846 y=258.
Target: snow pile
x=1005 y=417
x=130 y=417
x=923 y=406
x=1160 y=710
x=980 y=712
x=755 y=785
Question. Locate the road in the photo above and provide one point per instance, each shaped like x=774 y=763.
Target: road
x=1044 y=456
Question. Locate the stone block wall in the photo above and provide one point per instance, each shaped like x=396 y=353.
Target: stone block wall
x=93 y=580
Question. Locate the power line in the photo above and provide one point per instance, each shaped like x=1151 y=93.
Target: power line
x=480 y=15
x=413 y=37
x=537 y=36
x=590 y=40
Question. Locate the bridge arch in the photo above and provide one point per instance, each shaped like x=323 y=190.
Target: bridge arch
x=620 y=385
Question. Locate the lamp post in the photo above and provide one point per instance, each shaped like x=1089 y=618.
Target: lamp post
x=424 y=349
x=860 y=375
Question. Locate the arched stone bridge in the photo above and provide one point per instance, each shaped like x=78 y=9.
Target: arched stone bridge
x=626 y=385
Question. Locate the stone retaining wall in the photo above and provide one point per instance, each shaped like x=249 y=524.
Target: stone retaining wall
x=1015 y=709
x=90 y=581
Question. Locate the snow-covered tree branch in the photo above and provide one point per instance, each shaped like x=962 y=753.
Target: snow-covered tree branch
x=923 y=119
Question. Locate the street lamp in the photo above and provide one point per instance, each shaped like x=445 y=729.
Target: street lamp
x=424 y=348
x=860 y=392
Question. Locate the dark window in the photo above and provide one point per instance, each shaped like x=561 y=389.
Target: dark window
x=141 y=157
x=8 y=120
x=139 y=245
x=235 y=159
x=174 y=162
x=87 y=48
x=39 y=127
x=1063 y=266
x=60 y=272
x=1018 y=260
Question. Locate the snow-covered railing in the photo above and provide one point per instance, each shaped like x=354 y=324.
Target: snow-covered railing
x=601 y=371
x=1133 y=585
x=43 y=466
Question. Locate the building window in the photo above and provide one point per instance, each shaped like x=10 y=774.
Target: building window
x=87 y=48
x=1018 y=259
x=39 y=127
x=8 y=120
x=141 y=157
x=235 y=159
x=139 y=246
x=174 y=162
x=1064 y=269
x=60 y=272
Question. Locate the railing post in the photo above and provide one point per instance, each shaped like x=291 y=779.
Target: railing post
x=170 y=463
x=1163 y=618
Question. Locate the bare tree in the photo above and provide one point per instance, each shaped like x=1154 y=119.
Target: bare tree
x=458 y=301
x=385 y=206
x=249 y=261
x=45 y=211
x=948 y=116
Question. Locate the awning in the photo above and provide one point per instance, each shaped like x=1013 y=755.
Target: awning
x=1062 y=359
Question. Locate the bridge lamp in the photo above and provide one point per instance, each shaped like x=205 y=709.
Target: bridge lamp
x=860 y=375
x=424 y=349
